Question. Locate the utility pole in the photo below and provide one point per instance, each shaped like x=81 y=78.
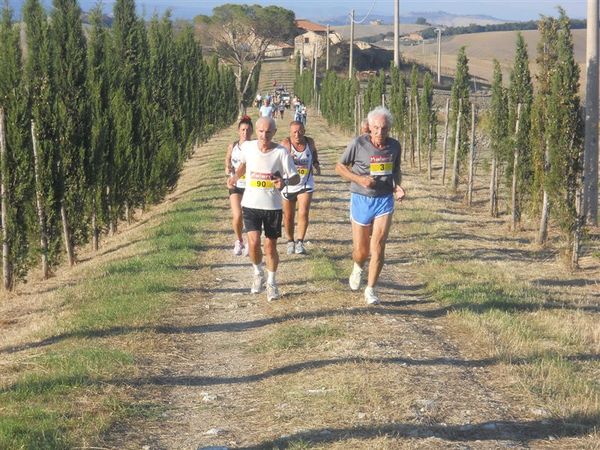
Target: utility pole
x=439 y=55
x=327 y=57
x=315 y=72
x=350 y=62
x=590 y=163
x=302 y=56
x=397 y=33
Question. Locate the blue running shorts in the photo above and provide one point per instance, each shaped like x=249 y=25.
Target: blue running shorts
x=364 y=210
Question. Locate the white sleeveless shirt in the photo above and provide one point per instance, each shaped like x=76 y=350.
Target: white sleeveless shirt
x=303 y=160
x=236 y=154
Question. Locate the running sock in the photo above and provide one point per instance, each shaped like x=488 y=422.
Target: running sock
x=357 y=266
x=257 y=269
x=270 y=277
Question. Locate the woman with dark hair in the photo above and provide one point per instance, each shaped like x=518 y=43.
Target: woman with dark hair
x=232 y=162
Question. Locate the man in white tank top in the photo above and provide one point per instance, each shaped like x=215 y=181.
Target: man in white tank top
x=268 y=168
x=306 y=159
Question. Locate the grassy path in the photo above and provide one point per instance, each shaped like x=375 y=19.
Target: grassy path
x=482 y=340
x=319 y=368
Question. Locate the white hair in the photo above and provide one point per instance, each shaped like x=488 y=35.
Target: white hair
x=270 y=120
x=381 y=111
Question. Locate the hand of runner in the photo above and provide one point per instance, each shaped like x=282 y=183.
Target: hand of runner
x=367 y=181
x=399 y=191
x=231 y=181
x=278 y=182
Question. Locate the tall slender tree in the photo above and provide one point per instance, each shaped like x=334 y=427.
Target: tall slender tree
x=99 y=151
x=127 y=60
x=427 y=120
x=460 y=97
x=565 y=133
x=41 y=95
x=521 y=92
x=546 y=61
x=69 y=60
x=498 y=135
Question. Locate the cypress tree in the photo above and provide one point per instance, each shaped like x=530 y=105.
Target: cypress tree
x=15 y=166
x=546 y=61
x=39 y=82
x=565 y=132
x=413 y=102
x=498 y=135
x=427 y=120
x=72 y=120
x=127 y=64
x=460 y=96
x=521 y=92
x=99 y=154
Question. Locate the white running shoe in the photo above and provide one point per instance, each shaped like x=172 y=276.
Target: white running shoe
x=272 y=292
x=300 y=250
x=257 y=283
x=371 y=297
x=291 y=247
x=355 y=277
x=238 y=247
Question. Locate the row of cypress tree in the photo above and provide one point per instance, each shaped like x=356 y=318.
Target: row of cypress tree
x=539 y=141
x=98 y=122
x=545 y=150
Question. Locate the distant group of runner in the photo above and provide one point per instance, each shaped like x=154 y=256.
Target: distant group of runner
x=274 y=105
x=270 y=184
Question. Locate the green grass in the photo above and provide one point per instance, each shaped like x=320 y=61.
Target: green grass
x=298 y=336
x=323 y=268
x=64 y=396
x=515 y=322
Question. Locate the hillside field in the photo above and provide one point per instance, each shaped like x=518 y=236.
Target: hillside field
x=483 y=48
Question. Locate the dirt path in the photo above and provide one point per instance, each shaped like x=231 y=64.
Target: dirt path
x=319 y=368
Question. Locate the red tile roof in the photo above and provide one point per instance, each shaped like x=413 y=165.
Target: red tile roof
x=309 y=26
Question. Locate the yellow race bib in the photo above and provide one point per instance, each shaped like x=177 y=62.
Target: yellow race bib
x=381 y=165
x=262 y=184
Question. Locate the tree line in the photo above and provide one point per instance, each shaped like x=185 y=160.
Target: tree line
x=94 y=123
x=536 y=134
x=430 y=33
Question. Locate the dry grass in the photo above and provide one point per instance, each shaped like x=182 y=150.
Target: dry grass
x=482 y=340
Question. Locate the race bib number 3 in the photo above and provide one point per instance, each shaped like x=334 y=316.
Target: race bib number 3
x=261 y=180
x=381 y=165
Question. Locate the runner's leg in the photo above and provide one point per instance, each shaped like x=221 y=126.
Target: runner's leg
x=360 y=243
x=271 y=254
x=381 y=229
x=235 y=201
x=254 y=250
x=304 y=200
x=289 y=213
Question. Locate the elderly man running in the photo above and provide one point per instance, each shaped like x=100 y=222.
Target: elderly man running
x=268 y=168
x=371 y=162
x=304 y=152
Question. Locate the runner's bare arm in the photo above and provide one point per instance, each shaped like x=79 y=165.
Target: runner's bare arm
x=228 y=166
x=345 y=172
x=316 y=163
x=239 y=173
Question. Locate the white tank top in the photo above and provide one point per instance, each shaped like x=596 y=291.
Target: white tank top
x=303 y=161
x=236 y=153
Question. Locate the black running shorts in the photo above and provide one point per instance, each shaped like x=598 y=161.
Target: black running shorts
x=236 y=190
x=293 y=196
x=255 y=219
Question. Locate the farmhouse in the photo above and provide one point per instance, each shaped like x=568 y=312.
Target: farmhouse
x=313 y=34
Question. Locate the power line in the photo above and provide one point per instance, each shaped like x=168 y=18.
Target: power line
x=368 y=14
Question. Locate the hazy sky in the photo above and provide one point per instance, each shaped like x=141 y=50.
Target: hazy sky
x=323 y=9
